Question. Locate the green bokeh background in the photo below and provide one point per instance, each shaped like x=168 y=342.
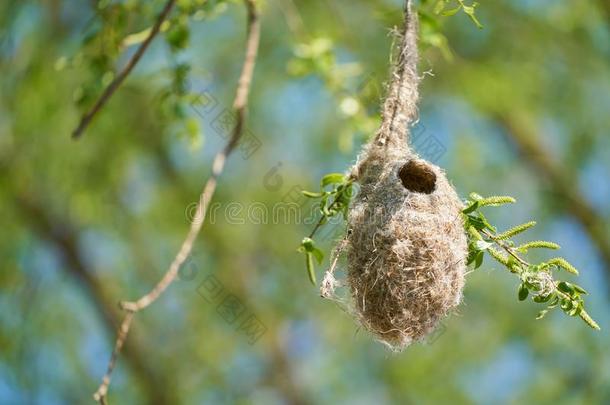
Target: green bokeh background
x=520 y=107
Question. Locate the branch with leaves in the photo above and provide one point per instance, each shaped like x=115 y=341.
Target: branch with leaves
x=332 y=202
x=447 y=8
x=535 y=279
x=116 y=83
x=240 y=105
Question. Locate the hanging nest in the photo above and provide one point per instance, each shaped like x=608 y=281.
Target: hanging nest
x=406 y=246
x=406 y=250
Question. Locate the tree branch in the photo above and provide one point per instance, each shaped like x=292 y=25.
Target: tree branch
x=114 y=85
x=240 y=105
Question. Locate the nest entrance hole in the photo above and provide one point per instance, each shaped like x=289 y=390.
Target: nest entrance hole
x=417 y=177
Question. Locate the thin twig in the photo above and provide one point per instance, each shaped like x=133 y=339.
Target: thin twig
x=240 y=105
x=114 y=85
x=100 y=394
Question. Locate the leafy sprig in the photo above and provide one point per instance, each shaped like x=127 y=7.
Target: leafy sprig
x=535 y=279
x=448 y=8
x=336 y=191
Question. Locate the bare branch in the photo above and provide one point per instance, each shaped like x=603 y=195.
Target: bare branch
x=100 y=394
x=114 y=85
x=240 y=105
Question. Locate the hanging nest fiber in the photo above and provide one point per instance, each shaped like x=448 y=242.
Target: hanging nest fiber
x=406 y=246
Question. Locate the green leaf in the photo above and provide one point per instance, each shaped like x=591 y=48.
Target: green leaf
x=324 y=201
x=469 y=10
x=476 y=222
x=472 y=207
x=178 y=36
x=308 y=244
x=566 y=305
x=310 y=269
x=579 y=289
x=575 y=309
x=479 y=260
x=318 y=254
x=542 y=313
x=523 y=292
x=512 y=262
x=565 y=287
x=312 y=194
x=332 y=178
x=472 y=255
x=532 y=284
x=542 y=298
x=485 y=222
x=479 y=222
x=450 y=12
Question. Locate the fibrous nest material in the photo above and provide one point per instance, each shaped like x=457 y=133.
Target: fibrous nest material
x=406 y=250
x=406 y=246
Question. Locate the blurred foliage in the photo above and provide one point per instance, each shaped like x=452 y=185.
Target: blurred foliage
x=331 y=203
x=88 y=223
